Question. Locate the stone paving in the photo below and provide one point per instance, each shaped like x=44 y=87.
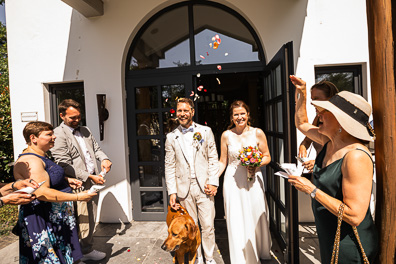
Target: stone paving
x=140 y=242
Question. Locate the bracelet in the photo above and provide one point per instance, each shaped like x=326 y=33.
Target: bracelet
x=12 y=185
x=77 y=197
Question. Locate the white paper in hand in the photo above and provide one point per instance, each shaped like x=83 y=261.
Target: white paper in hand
x=292 y=169
x=95 y=188
x=282 y=174
x=29 y=190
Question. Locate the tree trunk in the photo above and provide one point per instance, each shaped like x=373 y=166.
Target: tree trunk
x=381 y=32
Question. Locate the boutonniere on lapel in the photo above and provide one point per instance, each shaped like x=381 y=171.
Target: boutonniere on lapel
x=198 y=138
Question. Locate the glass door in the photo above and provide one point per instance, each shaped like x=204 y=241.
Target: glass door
x=151 y=105
x=281 y=136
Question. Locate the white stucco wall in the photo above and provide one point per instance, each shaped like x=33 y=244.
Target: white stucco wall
x=49 y=42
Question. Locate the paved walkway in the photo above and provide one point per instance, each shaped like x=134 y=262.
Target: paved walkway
x=140 y=242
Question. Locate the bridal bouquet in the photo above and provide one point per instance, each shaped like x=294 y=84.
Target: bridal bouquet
x=250 y=157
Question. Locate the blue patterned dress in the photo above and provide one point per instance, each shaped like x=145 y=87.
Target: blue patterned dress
x=48 y=231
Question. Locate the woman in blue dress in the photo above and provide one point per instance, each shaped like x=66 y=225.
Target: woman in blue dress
x=47 y=226
x=343 y=173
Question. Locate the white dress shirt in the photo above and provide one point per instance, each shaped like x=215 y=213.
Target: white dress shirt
x=89 y=162
x=189 y=148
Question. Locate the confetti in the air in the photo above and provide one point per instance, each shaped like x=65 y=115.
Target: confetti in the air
x=210 y=44
x=166 y=100
x=172 y=111
x=226 y=54
x=207 y=53
x=202 y=57
x=205 y=90
x=219 y=67
x=215 y=45
x=198 y=75
x=196 y=97
x=218 y=80
x=129 y=250
x=192 y=93
x=200 y=88
x=177 y=98
x=206 y=123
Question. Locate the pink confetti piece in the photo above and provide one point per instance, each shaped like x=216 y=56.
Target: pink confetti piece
x=218 y=41
x=206 y=123
x=166 y=100
x=200 y=88
x=202 y=57
x=219 y=67
x=192 y=93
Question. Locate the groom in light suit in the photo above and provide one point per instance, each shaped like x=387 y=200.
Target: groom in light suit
x=191 y=168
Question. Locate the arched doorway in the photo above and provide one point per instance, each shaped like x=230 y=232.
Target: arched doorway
x=210 y=53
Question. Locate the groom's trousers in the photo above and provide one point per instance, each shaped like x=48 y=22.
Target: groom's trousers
x=201 y=207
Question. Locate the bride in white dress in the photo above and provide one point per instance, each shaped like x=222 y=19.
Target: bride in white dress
x=244 y=201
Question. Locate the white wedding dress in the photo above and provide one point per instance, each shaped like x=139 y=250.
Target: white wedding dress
x=245 y=207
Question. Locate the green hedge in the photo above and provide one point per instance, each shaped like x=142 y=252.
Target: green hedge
x=6 y=145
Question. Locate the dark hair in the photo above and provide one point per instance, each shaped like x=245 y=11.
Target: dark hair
x=186 y=101
x=236 y=104
x=328 y=88
x=65 y=104
x=35 y=128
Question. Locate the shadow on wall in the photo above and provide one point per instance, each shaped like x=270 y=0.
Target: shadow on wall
x=111 y=207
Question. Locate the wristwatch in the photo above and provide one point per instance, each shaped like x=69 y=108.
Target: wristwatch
x=313 y=193
x=1 y=203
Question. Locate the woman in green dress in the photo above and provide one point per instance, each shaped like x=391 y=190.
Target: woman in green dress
x=343 y=172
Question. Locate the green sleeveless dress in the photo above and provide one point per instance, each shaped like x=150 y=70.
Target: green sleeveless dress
x=329 y=180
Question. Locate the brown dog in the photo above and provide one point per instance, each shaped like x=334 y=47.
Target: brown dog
x=183 y=235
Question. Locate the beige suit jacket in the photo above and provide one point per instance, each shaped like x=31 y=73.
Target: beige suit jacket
x=178 y=167
x=68 y=154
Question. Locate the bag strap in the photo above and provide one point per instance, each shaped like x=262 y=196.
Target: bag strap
x=336 y=246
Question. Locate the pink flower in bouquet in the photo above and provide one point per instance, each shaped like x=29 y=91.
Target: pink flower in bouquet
x=250 y=157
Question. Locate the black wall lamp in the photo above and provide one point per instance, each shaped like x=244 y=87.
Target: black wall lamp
x=102 y=112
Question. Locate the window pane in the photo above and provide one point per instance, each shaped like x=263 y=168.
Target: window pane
x=277 y=80
x=64 y=91
x=170 y=93
x=147 y=124
x=149 y=150
x=343 y=80
x=281 y=150
x=150 y=176
x=152 y=201
x=279 y=115
x=283 y=226
x=170 y=122
x=146 y=97
x=235 y=43
x=165 y=43
x=282 y=194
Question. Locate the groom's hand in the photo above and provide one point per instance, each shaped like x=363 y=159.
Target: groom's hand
x=210 y=190
x=172 y=202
